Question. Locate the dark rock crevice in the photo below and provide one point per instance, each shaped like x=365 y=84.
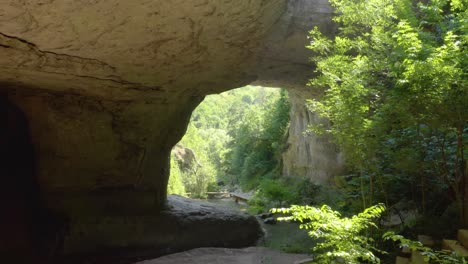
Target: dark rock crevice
x=29 y=230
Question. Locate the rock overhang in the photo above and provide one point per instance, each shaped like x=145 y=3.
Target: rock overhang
x=108 y=86
x=170 y=45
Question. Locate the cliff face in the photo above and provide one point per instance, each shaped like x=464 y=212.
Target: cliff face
x=107 y=88
x=308 y=154
x=312 y=156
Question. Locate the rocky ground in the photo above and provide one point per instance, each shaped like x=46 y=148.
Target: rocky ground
x=251 y=255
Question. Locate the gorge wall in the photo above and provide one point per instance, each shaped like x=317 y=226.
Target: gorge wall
x=312 y=156
x=107 y=88
x=308 y=154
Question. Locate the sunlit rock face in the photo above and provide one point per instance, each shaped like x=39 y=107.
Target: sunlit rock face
x=285 y=63
x=308 y=154
x=108 y=88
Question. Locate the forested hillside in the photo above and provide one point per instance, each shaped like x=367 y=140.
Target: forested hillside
x=237 y=138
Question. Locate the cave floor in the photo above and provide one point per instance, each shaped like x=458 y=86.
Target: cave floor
x=251 y=255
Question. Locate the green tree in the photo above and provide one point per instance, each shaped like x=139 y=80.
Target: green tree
x=394 y=81
x=255 y=151
x=175 y=185
x=236 y=136
x=201 y=173
x=340 y=239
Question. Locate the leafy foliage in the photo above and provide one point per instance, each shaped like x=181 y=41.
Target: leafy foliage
x=201 y=173
x=395 y=90
x=258 y=140
x=341 y=239
x=283 y=191
x=175 y=185
x=430 y=255
x=237 y=137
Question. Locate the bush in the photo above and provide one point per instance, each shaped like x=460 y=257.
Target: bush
x=429 y=255
x=341 y=239
x=274 y=191
x=175 y=185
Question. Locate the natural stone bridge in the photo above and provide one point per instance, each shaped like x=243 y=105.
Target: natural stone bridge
x=106 y=88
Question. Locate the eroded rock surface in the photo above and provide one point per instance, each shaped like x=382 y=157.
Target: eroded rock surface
x=108 y=88
x=252 y=255
x=183 y=225
x=185 y=157
x=308 y=154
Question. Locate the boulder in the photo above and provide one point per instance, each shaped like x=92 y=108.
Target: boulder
x=192 y=223
x=184 y=224
x=185 y=157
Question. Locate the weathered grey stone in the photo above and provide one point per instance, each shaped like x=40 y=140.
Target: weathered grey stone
x=252 y=255
x=185 y=157
x=183 y=225
x=108 y=88
x=308 y=154
x=312 y=156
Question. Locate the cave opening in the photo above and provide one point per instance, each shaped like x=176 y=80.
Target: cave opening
x=233 y=143
x=240 y=151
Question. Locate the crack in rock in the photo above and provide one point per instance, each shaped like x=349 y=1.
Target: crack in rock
x=51 y=62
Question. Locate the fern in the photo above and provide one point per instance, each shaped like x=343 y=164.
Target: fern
x=341 y=239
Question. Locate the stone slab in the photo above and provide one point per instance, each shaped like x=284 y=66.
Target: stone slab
x=463 y=237
x=251 y=255
x=455 y=246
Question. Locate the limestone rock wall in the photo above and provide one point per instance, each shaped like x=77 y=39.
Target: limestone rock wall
x=108 y=87
x=174 y=45
x=87 y=144
x=312 y=156
x=308 y=154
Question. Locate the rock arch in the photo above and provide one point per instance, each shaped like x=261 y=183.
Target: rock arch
x=108 y=88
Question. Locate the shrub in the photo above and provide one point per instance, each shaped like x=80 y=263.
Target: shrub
x=341 y=239
x=429 y=255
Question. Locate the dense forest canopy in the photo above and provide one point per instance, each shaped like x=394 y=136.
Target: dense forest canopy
x=394 y=82
x=236 y=137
